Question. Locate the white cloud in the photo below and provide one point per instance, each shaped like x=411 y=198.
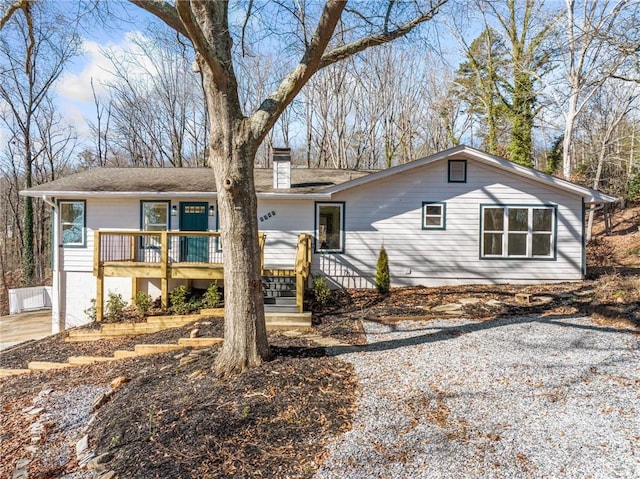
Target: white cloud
x=75 y=98
x=96 y=65
x=77 y=86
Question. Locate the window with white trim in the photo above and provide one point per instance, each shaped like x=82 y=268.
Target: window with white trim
x=517 y=231
x=154 y=216
x=72 y=223
x=433 y=216
x=330 y=227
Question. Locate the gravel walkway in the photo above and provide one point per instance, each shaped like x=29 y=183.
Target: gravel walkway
x=529 y=397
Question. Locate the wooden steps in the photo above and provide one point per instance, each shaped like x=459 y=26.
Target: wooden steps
x=286 y=320
x=13 y=372
x=80 y=360
x=149 y=349
x=153 y=324
x=198 y=342
x=138 y=351
x=47 y=365
x=274 y=320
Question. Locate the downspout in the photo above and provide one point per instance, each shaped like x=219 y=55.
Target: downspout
x=57 y=324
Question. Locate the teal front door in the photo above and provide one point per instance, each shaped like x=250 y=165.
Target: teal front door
x=193 y=217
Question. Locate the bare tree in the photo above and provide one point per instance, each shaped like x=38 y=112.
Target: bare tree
x=235 y=137
x=33 y=52
x=608 y=109
x=589 y=57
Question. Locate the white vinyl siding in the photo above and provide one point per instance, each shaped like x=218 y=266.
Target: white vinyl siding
x=288 y=219
x=390 y=212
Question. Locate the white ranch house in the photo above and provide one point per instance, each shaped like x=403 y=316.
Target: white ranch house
x=461 y=216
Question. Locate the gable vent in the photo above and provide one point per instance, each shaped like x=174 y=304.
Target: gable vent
x=281 y=160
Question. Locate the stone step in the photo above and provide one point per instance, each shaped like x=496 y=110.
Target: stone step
x=47 y=365
x=198 y=342
x=148 y=349
x=88 y=359
x=13 y=372
x=124 y=353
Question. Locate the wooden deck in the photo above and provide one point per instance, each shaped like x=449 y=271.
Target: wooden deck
x=184 y=255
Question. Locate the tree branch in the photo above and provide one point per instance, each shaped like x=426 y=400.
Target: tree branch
x=13 y=8
x=626 y=79
x=346 y=51
x=213 y=51
x=164 y=11
x=270 y=109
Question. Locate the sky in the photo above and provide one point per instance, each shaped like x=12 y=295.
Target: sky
x=73 y=89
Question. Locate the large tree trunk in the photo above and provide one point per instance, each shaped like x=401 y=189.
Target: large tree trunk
x=245 y=339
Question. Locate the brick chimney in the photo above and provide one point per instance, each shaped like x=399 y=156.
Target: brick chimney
x=281 y=161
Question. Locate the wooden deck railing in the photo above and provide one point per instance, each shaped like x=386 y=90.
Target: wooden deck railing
x=175 y=255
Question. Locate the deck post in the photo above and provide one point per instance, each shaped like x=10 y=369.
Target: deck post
x=261 y=241
x=134 y=289
x=97 y=272
x=164 y=268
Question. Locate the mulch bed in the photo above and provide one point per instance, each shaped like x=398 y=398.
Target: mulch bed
x=270 y=421
x=173 y=420
x=178 y=420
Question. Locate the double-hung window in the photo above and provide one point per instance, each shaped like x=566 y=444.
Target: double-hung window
x=433 y=216
x=72 y=223
x=154 y=216
x=330 y=227
x=518 y=231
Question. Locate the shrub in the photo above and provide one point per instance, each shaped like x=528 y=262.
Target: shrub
x=142 y=303
x=114 y=309
x=91 y=310
x=179 y=300
x=212 y=297
x=382 y=279
x=321 y=291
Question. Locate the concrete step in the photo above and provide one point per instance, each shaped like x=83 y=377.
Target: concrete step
x=47 y=365
x=198 y=342
x=148 y=349
x=13 y=372
x=88 y=359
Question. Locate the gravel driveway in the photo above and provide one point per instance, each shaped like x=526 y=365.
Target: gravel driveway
x=547 y=397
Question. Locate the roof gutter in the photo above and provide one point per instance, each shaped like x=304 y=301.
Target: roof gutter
x=166 y=194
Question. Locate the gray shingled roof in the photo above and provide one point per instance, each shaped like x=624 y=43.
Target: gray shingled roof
x=186 y=180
